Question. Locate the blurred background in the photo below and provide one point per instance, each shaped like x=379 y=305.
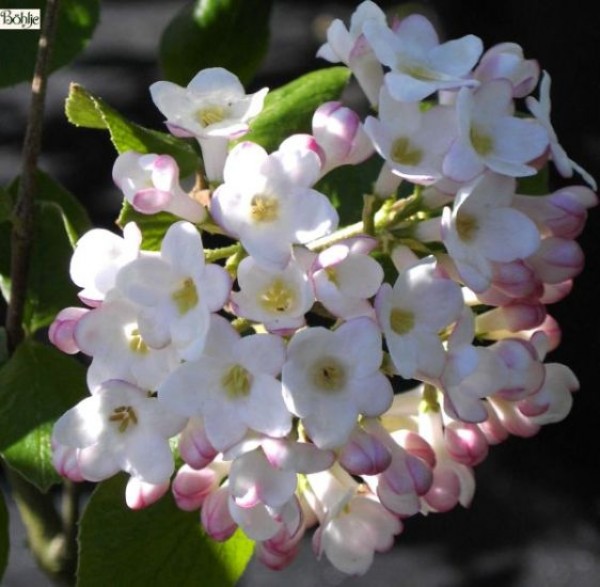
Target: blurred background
x=535 y=519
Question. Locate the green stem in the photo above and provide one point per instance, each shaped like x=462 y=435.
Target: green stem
x=212 y=255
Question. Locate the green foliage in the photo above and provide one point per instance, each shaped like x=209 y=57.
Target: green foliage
x=37 y=385
x=233 y=34
x=85 y=109
x=76 y=24
x=160 y=546
x=290 y=109
x=4 y=536
x=56 y=228
x=535 y=185
x=346 y=186
x=153 y=226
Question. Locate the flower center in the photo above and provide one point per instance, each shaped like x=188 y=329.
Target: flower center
x=419 y=72
x=466 y=226
x=264 y=208
x=482 y=142
x=404 y=153
x=329 y=374
x=210 y=115
x=124 y=415
x=237 y=382
x=401 y=321
x=186 y=297
x=136 y=342
x=278 y=297
x=332 y=275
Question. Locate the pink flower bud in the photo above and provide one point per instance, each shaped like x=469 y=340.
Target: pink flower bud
x=492 y=428
x=525 y=371
x=364 y=454
x=512 y=419
x=194 y=446
x=557 y=260
x=340 y=135
x=445 y=490
x=215 y=516
x=416 y=445
x=191 y=487
x=521 y=315
x=466 y=443
x=139 y=494
x=66 y=462
x=61 y=331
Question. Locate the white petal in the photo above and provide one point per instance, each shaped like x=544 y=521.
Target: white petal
x=149 y=458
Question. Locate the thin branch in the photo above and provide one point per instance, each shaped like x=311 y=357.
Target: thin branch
x=23 y=214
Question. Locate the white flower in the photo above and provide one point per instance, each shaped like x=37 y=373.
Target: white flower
x=214 y=108
x=412 y=142
x=483 y=227
x=541 y=110
x=422 y=302
x=150 y=183
x=98 y=257
x=330 y=377
x=419 y=64
x=177 y=291
x=267 y=203
x=232 y=385
x=120 y=428
x=351 y=48
x=110 y=335
x=278 y=298
x=344 y=277
x=491 y=137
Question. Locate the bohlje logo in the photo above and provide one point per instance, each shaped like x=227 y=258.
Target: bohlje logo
x=20 y=18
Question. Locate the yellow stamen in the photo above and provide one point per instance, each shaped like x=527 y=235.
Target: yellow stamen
x=329 y=374
x=264 y=208
x=401 y=321
x=124 y=415
x=482 y=142
x=466 y=226
x=278 y=297
x=237 y=382
x=186 y=297
x=210 y=115
x=404 y=153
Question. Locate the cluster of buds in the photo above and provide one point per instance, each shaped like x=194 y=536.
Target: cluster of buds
x=274 y=364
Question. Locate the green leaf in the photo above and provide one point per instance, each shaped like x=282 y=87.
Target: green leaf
x=153 y=226
x=346 y=185
x=160 y=546
x=37 y=385
x=290 y=109
x=233 y=34
x=4 y=535
x=49 y=286
x=89 y=111
x=76 y=24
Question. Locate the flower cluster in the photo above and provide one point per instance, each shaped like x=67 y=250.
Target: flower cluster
x=275 y=374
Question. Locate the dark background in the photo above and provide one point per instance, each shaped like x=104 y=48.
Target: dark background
x=535 y=519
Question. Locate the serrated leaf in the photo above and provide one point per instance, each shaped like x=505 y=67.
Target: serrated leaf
x=37 y=385
x=160 y=546
x=152 y=226
x=4 y=536
x=49 y=287
x=76 y=24
x=84 y=109
x=233 y=34
x=290 y=109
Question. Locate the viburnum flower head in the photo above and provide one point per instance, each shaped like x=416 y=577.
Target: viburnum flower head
x=266 y=201
x=491 y=137
x=176 y=291
x=483 y=227
x=232 y=385
x=419 y=64
x=120 y=428
x=330 y=377
x=150 y=183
